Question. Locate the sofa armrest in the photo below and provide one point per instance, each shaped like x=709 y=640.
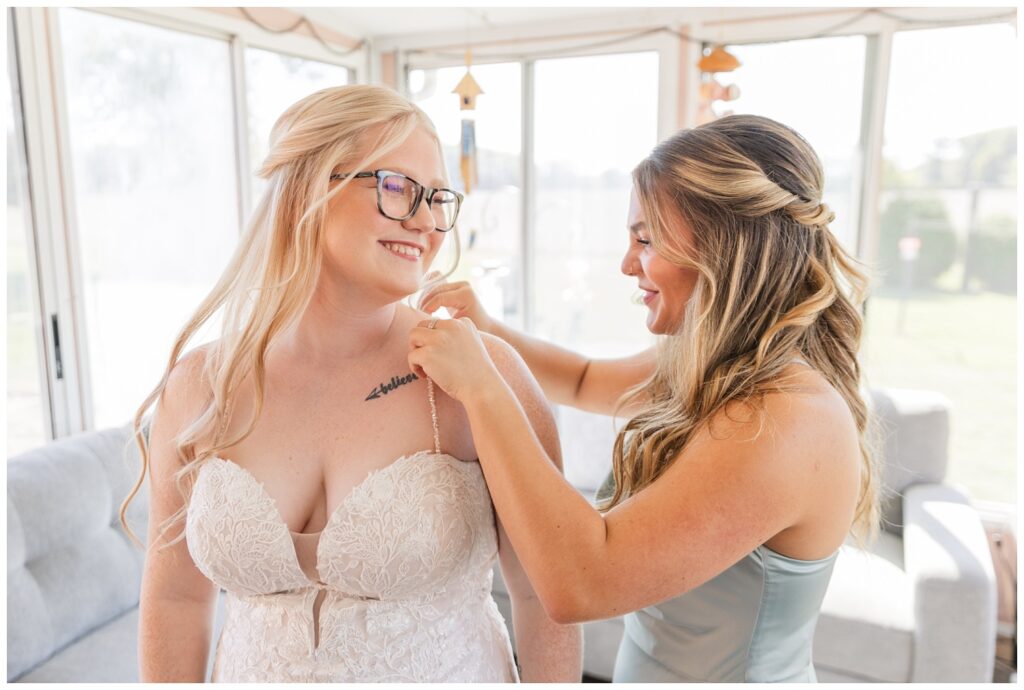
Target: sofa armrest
x=947 y=559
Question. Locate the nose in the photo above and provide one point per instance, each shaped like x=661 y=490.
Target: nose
x=630 y=265
x=422 y=220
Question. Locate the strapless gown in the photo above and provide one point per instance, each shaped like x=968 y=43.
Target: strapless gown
x=395 y=588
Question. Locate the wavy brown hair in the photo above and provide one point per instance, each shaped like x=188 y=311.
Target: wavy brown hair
x=272 y=276
x=772 y=281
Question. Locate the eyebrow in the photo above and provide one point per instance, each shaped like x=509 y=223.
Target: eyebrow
x=637 y=227
x=437 y=182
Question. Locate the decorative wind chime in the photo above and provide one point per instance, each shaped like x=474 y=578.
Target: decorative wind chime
x=718 y=60
x=468 y=90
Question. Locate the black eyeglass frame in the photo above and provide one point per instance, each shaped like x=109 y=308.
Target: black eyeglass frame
x=424 y=192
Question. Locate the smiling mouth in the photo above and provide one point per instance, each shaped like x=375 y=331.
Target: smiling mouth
x=649 y=295
x=403 y=251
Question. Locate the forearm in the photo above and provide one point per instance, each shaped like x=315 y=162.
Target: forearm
x=557 y=370
x=557 y=535
x=548 y=652
x=174 y=641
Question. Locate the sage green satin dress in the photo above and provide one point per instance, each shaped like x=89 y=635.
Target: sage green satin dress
x=752 y=623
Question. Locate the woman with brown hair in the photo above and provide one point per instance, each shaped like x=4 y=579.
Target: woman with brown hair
x=744 y=464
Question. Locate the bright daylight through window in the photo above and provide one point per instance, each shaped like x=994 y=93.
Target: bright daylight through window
x=155 y=194
x=942 y=315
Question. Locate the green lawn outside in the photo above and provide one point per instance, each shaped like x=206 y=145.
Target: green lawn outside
x=964 y=346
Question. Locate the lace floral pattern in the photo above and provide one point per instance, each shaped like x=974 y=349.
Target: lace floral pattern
x=405 y=563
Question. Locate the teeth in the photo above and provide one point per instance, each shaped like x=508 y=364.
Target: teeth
x=402 y=249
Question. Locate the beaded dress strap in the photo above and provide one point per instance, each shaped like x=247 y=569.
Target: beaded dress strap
x=433 y=416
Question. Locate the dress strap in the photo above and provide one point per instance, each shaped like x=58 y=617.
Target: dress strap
x=433 y=415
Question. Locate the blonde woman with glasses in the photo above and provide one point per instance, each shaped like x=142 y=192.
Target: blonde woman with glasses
x=296 y=462
x=744 y=463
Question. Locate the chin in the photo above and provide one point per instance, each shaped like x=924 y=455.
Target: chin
x=659 y=324
x=400 y=292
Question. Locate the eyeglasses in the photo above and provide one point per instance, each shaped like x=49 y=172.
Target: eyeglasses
x=399 y=197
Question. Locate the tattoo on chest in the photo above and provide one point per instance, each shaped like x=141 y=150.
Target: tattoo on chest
x=395 y=382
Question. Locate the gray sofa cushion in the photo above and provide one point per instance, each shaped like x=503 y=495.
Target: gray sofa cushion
x=867 y=623
x=106 y=655
x=70 y=567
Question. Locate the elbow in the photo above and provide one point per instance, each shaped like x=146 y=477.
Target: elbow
x=568 y=606
x=565 y=617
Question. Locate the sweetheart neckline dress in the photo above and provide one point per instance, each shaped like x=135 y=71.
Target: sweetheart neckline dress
x=395 y=588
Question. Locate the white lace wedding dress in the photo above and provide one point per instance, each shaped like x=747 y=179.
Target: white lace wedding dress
x=396 y=587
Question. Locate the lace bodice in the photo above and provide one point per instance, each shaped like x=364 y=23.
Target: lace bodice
x=396 y=587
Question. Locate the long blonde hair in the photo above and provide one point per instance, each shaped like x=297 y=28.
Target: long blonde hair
x=771 y=280
x=272 y=276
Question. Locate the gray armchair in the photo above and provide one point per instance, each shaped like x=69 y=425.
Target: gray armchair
x=918 y=605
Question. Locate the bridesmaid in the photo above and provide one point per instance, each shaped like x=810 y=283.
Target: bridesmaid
x=744 y=464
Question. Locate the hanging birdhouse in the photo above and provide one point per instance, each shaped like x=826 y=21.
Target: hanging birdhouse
x=468 y=90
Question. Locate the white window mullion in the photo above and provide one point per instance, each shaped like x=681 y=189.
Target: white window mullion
x=670 y=63
x=241 y=109
x=876 y=87
x=40 y=323
x=527 y=198
x=53 y=211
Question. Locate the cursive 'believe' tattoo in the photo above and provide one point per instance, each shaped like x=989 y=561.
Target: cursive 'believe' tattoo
x=395 y=382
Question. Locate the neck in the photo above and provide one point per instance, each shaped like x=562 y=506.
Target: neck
x=337 y=329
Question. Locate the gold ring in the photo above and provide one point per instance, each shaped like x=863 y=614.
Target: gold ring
x=433 y=322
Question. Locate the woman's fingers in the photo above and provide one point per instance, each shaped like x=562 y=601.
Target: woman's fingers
x=458 y=298
x=450 y=295
x=445 y=287
x=427 y=294
x=451 y=354
x=418 y=337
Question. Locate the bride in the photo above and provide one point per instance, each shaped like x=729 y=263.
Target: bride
x=297 y=463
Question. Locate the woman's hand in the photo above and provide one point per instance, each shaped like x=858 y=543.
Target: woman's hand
x=452 y=354
x=460 y=301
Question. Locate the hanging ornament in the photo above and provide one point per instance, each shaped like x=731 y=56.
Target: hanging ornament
x=718 y=60
x=468 y=90
x=711 y=91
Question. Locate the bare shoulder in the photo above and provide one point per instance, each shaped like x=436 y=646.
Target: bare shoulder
x=514 y=370
x=796 y=452
x=813 y=409
x=798 y=443
x=815 y=443
x=187 y=385
x=813 y=415
x=517 y=375
x=505 y=357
